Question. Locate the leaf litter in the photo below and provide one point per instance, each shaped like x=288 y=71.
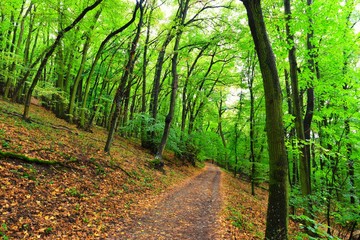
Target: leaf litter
x=92 y=195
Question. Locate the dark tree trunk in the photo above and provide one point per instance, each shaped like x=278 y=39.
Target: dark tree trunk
x=310 y=100
x=98 y=55
x=277 y=213
x=250 y=80
x=185 y=108
x=148 y=140
x=183 y=8
x=303 y=156
x=120 y=93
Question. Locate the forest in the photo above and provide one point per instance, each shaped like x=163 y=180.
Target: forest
x=268 y=90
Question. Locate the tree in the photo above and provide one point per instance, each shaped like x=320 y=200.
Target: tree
x=181 y=16
x=120 y=93
x=277 y=213
x=304 y=156
x=50 y=51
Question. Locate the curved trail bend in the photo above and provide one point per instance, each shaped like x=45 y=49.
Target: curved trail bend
x=188 y=212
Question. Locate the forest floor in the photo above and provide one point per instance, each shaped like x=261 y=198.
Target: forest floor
x=57 y=183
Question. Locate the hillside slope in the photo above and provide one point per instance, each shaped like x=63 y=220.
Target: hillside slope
x=56 y=182
x=75 y=191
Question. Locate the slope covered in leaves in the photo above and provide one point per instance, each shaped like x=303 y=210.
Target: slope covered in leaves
x=56 y=183
x=75 y=191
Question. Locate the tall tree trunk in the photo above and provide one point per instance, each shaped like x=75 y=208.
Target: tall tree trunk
x=293 y=179
x=148 y=140
x=277 y=213
x=97 y=101
x=185 y=107
x=183 y=8
x=144 y=76
x=50 y=51
x=81 y=68
x=250 y=79
x=310 y=99
x=97 y=57
x=120 y=93
x=303 y=156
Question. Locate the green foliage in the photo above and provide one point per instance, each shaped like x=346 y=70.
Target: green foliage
x=347 y=214
x=188 y=150
x=155 y=163
x=48 y=230
x=74 y=192
x=314 y=230
x=238 y=220
x=3 y=230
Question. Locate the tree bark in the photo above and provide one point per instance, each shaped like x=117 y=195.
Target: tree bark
x=183 y=8
x=250 y=79
x=120 y=93
x=309 y=103
x=81 y=68
x=148 y=140
x=277 y=213
x=303 y=156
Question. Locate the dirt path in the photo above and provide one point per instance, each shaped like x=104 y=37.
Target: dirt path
x=188 y=212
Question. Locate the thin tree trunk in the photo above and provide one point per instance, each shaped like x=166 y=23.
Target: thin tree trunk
x=277 y=213
x=144 y=76
x=98 y=55
x=310 y=100
x=120 y=93
x=183 y=8
x=250 y=79
x=185 y=108
x=49 y=52
x=303 y=156
x=148 y=140
x=81 y=68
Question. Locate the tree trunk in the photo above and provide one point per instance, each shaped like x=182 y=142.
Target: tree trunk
x=277 y=213
x=81 y=68
x=310 y=101
x=148 y=140
x=303 y=156
x=185 y=107
x=183 y=8
x=250 y=79
x=49 y=52
x=120 y=93
x=144 y=75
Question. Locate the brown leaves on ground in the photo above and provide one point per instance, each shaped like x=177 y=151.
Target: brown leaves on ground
x=85 y=197
x=244 y=215
x=90 y=194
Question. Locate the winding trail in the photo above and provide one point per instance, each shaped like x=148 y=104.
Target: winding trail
x=188 y=212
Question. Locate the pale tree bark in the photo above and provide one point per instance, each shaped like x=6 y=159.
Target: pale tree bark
x=277 y=213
